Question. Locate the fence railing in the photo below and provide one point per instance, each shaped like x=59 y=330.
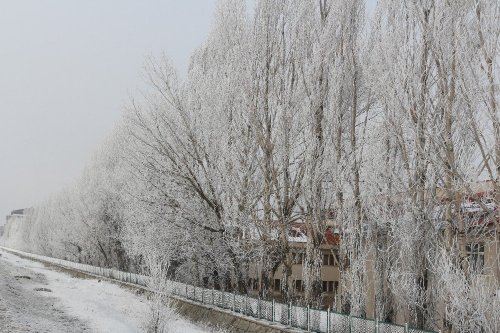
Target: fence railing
x=305 y=318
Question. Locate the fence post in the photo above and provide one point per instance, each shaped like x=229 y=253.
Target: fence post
x=272 y=310
x=213 y=298
x=376 y=325
x=406 y=327
x=186 y=291
x=246 y=305
x=350 y=323
x=234 y=300
x=308 y=318
x=328 y=320
x=290 y=314
x=258 y=307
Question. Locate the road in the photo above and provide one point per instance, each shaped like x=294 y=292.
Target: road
x=39 y=298
x=23 y=309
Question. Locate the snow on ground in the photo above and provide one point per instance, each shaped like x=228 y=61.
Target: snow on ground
x=72 y=304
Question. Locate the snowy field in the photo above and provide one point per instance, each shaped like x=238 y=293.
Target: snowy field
x=35 y=298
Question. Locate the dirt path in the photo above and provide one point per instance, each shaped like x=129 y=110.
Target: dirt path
x=25 y=305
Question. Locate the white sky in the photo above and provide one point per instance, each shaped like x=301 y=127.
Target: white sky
x=67 y=68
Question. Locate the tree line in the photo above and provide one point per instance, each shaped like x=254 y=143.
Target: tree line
x=291 y=111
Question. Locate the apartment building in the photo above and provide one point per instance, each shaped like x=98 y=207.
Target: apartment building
x=330 y=272
x=480 y=250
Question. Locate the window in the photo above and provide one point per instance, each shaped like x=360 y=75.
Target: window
x=330 y=286
x=475 y=255
x=298 y=258
x=253 y=284
x=298 y=285
x=330 y=260
x=277 y=284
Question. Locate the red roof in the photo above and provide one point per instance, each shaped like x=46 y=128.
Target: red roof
x=300 y=229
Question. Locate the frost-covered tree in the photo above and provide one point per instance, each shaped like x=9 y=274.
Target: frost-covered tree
x=299 y=112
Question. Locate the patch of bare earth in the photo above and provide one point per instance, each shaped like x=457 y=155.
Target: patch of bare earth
x=26 y=304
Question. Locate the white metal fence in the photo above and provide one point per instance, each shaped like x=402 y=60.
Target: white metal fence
x=308 y=319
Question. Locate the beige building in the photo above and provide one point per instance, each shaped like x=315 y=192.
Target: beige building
x=330 y=272
x=480 y=241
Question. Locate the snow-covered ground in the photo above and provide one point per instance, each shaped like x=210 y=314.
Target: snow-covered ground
x=69 y=304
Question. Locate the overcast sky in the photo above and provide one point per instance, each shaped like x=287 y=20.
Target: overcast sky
x=66 y=71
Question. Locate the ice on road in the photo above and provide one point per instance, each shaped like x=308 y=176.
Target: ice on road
x=35 y=298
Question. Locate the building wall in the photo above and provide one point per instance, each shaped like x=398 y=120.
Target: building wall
x=401 y=314
x=329 y=273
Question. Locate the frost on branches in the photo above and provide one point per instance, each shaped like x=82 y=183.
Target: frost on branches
x=388 y=124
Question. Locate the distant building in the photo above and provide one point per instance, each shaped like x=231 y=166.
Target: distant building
x=18 y=211
x=13 y=222
x=16 y=214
